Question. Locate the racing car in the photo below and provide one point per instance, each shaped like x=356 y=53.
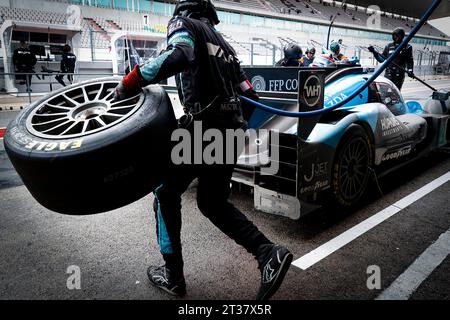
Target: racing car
x=373 y=134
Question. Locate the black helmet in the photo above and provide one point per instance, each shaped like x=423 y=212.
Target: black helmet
x=197 y=9
x=293 y=51
x=398 y=35
x=311 y=50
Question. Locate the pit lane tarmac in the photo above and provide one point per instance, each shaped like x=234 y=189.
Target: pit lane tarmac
x=113 y=250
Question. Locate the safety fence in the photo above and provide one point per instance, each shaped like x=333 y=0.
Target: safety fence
x=29 y=86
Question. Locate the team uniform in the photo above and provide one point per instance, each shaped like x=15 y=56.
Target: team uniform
x=288 y=63
x=404 y=59
x=305 y=62
x=68 y=62
x=208 y=76
x=24 y=61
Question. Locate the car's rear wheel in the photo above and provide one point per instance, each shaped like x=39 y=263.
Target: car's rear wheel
x=79 y=152
x=352 y=167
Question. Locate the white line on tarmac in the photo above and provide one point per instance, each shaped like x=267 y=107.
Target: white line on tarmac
x=408 y=282
x=348 y=236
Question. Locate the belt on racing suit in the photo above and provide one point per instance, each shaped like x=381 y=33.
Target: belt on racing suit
x=226 y=109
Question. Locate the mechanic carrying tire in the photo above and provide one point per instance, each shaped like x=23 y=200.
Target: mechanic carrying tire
x=404 y=59
x=209 y=81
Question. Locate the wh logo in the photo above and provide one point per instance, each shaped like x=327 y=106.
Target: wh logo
x=312 y=91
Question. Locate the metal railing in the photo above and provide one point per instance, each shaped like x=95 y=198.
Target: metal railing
x=52 y=81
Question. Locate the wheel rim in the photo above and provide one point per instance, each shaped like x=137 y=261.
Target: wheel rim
x=354 y=169
x=80 y=111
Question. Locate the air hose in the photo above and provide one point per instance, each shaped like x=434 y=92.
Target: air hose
x=377 y=73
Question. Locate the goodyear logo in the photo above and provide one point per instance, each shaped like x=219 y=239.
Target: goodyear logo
x=397 y=154
x=54 y=146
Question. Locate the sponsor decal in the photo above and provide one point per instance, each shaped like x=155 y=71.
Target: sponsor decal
x=397 y=154
x=317 y=170
x=390 y=126
x=315 y=187
x=333 y=100
x=283 y=85
x=174 y=26
x=54 y=146
x=312 y=91
x=118 y=175
x=258 y=83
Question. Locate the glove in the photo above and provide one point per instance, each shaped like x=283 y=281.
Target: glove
x=130 y=86
x=371 y=49
x=410 y=73
x=251 y=94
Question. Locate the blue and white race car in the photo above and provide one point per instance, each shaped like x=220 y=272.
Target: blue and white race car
x=373 y=134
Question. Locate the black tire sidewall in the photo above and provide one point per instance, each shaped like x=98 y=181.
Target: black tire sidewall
x=353 y=133
x=116 y=164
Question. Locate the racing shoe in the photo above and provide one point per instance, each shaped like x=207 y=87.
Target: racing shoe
x=274 y=262
x=163 y=278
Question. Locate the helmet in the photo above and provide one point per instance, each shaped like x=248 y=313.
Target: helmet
x=335 y=47
x=311 y=50
x=197 y=9
x=292 y=51
x=398 y=35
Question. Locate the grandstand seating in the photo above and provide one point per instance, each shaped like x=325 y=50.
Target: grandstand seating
x=345 y=14
x=255 y=4
x=31 y=15
x=99 y=27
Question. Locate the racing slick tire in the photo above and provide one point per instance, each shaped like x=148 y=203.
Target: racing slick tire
x=351 y=170
x=80 y=153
